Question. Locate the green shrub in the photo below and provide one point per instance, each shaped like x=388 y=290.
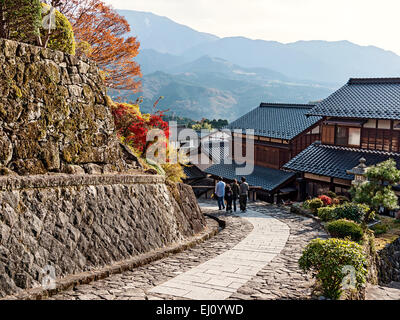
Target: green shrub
x=174 y=172
x=344 y=228
x=380 y=229
x=331 y=194
x=306 y=204
x=62 y=38
x=327 y=213
x=329 y=258
x=20 y=20
x=355 y=212
x=343 y=199
x=314 y=204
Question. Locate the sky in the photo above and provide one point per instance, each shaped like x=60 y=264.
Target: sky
x=364 y=22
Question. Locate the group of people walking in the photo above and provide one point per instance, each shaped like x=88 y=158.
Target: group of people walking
x=231 y=193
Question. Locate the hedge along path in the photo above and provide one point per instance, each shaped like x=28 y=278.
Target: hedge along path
x=222 y=276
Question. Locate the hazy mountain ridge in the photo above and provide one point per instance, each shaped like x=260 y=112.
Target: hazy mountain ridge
x=206 y=76
x=162 y=34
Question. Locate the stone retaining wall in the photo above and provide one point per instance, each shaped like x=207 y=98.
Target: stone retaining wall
x=389 y=263
x=79 y=223
x=54 y=113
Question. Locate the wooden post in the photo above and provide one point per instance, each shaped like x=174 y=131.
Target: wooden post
x=332 y=186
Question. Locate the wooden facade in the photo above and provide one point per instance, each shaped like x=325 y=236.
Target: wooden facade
x=363 y=134
x=360 y=117
x=382 y=135
x=275 y=153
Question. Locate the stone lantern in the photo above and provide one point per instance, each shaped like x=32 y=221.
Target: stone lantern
x=359 y=172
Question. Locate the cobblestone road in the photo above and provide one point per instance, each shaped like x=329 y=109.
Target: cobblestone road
x=275 y=277
x=388 y=292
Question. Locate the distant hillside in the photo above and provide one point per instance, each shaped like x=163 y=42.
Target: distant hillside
x=207 y=64
x=213 y=95
x=162 y=34
x=151 y=61
x=312 y=60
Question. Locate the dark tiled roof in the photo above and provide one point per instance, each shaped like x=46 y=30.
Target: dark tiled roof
x=279 y=121
x=334 y=161
x=192 y=172
x=268 y=179
x=375 y=98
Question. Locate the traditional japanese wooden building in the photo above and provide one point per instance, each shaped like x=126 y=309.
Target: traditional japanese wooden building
x=360 y=120
x=281 y=131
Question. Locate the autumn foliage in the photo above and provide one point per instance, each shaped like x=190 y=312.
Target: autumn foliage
x=133 y=126
x=326 y=200
x=101 y=35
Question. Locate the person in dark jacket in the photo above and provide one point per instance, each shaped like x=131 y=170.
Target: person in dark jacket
x=228 y=198
x=244 y=194
x=235 y=192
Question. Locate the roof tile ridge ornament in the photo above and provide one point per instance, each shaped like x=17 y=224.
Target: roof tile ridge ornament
x=287 y=105
x=381 y=152
x=361 y=81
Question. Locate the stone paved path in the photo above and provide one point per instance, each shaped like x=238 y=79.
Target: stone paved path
x=388 y=292
x=219 y=278
x=271 y=270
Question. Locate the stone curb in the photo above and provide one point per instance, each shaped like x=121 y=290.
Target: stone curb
x=72 y=281
x=301 y=212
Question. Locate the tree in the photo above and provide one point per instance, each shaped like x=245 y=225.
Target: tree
x=200 y=126
x=20 y=20
x=377 y=191
x=102 y=34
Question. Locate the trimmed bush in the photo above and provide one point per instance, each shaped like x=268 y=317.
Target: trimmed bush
x=380 y=229
x=342 y=199
x=62 y=38
x=306 y=204
x=314 y=204
x=327 y=213
x=331 y=194
x=345 y=229
x=355 y=212
x=330 y=259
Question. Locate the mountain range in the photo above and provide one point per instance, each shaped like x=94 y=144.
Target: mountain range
x=202 y=75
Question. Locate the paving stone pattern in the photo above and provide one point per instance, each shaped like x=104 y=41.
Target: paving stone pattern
x=134 y=285
x=387 y=292
x=219 y=278
x=271 y=270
